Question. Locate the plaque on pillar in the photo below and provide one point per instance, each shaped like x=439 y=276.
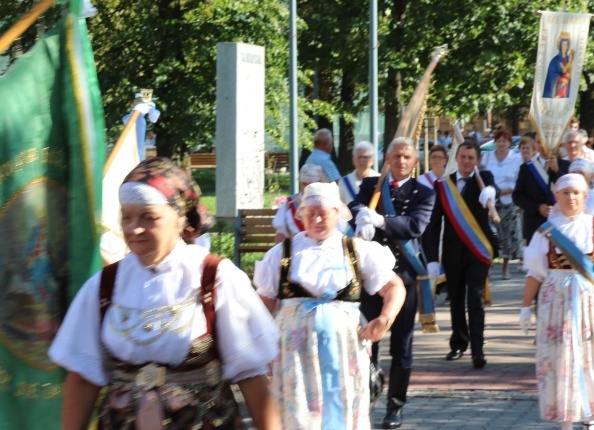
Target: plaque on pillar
x=240 y=128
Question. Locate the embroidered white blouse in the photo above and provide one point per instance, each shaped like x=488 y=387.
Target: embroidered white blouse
x=135 y=331
x=577 y=228
x=323 y=268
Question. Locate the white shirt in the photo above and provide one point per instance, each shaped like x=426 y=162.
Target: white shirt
x=355 y=182
x=578 y=229
x=247 y=337
x=390 y=179
x=505 y=172
x=323 y=268
x=460 y=183
x=587 y=153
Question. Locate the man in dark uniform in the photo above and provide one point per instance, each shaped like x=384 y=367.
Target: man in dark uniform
x=466 y=271
x=532 y=191
x=412 y=203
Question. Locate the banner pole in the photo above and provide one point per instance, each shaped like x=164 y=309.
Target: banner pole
x=131 y=122
x=25 y=22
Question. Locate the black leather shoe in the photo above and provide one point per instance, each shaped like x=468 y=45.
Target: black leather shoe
x=478 y=361
x=393 y=418
x=454 y=354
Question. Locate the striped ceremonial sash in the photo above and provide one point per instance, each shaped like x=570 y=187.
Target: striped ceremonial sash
x=464 y=222
x=294 y=201
x=349 y=187
x=542 y=178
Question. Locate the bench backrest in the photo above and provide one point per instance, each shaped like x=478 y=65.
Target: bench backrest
x=203 y=161
x=276 y=160
x=254 y=232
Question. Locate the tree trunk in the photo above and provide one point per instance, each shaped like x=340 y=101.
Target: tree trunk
x=347 y=129
x=393 y=94
x=587 y=110
x=392 y=106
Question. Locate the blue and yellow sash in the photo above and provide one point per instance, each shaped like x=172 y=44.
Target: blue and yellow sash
x=424 y=290
x=541 y=177
x=463 y=221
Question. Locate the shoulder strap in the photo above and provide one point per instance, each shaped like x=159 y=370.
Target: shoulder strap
x=108 y=275
x=207 y=290
x=354 y=256
x=285 y=265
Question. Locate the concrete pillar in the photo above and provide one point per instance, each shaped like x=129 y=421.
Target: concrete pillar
x=240 y=128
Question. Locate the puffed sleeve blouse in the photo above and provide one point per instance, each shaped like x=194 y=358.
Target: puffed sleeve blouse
x=577 y=228
x=247 y=337
x=322 y=267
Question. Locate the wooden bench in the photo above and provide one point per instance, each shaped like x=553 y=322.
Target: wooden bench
x=203 y=161
x=254 y=232
x=277 y=160
x=150 y=151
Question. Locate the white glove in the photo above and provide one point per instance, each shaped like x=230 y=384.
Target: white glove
x=369 y=216
x=365 y=231
x=142 y=107
x=526 y=319
x=433 y=270
x=487 y=194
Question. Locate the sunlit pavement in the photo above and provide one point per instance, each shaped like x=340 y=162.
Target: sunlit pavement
x=452 y=394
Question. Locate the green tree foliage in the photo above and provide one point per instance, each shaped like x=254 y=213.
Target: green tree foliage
x=334 y=49
x=170 y=46
x=492 y=51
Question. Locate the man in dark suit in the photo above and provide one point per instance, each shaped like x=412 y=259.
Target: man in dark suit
x=529 y=195
x=465 y=272
x=412 y=203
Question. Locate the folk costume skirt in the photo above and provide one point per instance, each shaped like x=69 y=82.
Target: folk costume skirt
x=564 y=356
x=321 y=376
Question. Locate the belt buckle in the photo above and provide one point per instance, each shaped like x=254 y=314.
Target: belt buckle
x=150 y=376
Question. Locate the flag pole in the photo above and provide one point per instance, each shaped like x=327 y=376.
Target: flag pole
x=25 y=22
x=131 y=122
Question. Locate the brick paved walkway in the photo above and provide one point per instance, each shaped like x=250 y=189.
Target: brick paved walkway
x=454 y=395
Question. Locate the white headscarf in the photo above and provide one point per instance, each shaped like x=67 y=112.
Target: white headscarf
x=572 y=180
x=326 y=195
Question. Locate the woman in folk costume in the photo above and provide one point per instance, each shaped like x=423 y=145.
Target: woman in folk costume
x=169 y=327
x=285 y=221
x=321 y=376
x=438 y=160
x=559 y=261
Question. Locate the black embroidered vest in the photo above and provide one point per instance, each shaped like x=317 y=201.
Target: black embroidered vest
x=350 y=293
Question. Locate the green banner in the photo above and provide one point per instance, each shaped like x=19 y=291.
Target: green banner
x=52 y=140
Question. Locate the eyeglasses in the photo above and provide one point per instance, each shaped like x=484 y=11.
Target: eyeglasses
x=364 y=157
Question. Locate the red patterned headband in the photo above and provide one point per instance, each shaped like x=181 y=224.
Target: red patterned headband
x=176 y=185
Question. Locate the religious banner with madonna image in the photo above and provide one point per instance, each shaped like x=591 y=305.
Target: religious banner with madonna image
x=562 y=44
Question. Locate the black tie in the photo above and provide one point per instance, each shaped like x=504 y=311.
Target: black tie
x=465 y=180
